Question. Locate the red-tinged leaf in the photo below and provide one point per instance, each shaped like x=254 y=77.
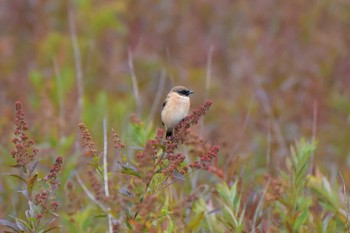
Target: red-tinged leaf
x=32 y=181
x=16 y=166
x=9 y=224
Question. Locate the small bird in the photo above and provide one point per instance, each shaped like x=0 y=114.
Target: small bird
x=175 y=108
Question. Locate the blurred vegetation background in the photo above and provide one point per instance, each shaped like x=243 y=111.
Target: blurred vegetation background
x=275 y=71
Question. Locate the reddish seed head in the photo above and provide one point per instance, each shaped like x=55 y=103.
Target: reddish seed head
x=55 y=205
x=87 y=140
x=118 y=144
x=160 y=134
x=135 y=120
x=55 y=170
x=23 y=152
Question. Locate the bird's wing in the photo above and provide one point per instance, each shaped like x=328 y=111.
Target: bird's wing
x=164 y=103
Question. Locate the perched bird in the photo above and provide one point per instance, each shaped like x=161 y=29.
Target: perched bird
x=175 y=108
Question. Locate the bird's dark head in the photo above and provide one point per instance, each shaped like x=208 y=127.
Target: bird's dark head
x=183 y=91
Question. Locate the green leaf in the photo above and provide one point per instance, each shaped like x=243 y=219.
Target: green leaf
x=36 y=79
x=300 y=220
x=170 y=225
x=232 y=215
x=69 y=225
x=195 y=222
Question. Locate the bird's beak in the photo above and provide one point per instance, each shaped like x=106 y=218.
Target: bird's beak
x=191 y=92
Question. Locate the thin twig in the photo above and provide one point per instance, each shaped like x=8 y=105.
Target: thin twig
x=260 y=203
x=134 y=80
x=167 y=185
x=105 y=172
x=89 y=194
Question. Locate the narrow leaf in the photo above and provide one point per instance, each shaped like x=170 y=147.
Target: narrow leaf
x=178 y=176
x=32 y=181
x=195 y=222
x=33 y=167
x=129 y=170
x=126 y=192
x=16 y=176
x=51 y=228
x=9 y=224
x=22 y=225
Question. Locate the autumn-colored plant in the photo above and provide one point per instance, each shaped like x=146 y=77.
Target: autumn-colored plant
x=42 y=206
x=156 y=167
x=141 y=195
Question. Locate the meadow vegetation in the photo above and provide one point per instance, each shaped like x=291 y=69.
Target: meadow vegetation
x=265 y=148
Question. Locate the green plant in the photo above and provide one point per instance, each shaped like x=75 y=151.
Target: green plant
x=232 y=210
